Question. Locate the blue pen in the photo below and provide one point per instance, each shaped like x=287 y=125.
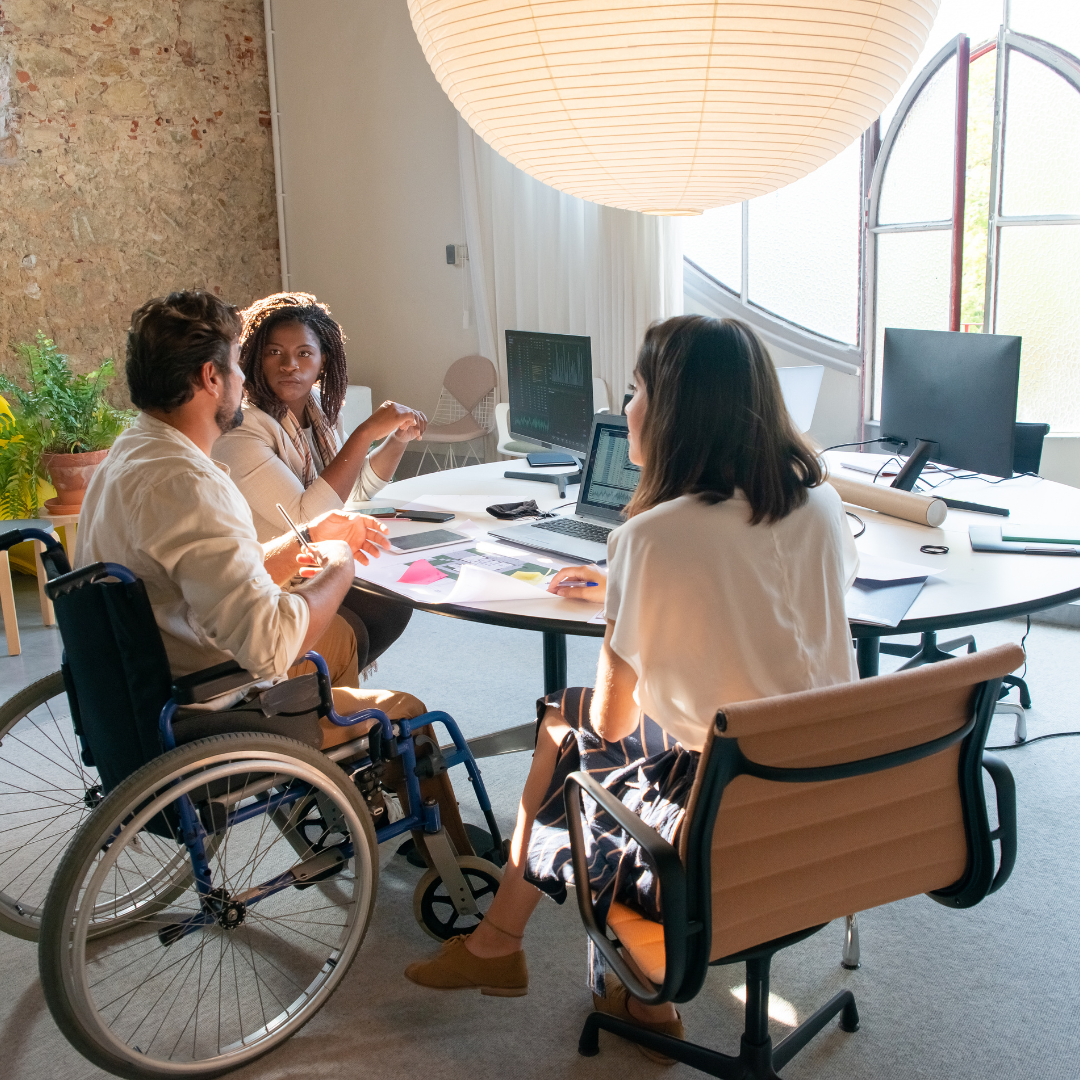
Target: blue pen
x=577 y=584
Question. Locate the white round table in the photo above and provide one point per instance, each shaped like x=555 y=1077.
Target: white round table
x=975 y=587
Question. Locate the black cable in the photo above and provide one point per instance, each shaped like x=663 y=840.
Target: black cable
x=860 y=521
x=1040 y=738
x=551 y=513
x=869 y=442
x=888 y=461
x=1027 y=630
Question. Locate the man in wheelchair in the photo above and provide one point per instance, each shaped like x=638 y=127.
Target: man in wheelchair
x=224 y=878
x=160 y=506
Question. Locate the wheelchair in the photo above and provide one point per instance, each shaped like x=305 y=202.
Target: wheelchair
x=218 y=889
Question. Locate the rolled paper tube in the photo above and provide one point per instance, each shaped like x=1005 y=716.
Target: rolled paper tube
x=922 y=509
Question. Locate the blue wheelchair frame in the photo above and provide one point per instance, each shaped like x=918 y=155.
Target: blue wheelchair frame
x=395 y=742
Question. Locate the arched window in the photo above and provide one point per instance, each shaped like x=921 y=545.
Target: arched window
x=971 y=202
x=974 y=209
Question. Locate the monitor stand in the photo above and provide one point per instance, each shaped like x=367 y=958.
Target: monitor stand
x=560 y=480
x=913 y=467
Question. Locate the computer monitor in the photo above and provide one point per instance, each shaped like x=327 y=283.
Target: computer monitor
x=950 y=398
x=800 y=387
x=550 y=382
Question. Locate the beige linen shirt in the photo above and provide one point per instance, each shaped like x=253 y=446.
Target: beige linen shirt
x=710 y=610
x=266 y=467
x=159 y=506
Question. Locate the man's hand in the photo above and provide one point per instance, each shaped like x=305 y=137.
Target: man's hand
x=390 y=418
x=365 y=536
x=329 y=554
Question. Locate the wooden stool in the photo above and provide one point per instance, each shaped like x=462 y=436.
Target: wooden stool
x=7 y=593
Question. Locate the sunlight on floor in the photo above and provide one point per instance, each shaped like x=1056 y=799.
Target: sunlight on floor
x=783 y=1012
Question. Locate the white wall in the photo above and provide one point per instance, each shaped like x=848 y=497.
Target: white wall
x=372 y=197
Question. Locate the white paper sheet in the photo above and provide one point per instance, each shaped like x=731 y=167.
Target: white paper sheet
x=881 y=570
x=476 y=585
x=387 y=570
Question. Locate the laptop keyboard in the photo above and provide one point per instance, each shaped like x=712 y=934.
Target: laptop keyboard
x=579 y=530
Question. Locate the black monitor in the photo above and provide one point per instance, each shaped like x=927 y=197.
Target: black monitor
x=950 y=398
x=550 y=382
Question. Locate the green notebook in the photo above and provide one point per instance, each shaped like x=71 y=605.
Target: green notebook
x=1039 y=534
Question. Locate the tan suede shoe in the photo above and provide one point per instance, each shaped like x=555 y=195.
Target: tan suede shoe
x=455 y=968
x=616 y=1004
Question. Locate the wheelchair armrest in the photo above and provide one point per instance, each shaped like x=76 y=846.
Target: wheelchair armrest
x=1005 y=792
x=669 y=871
x=202 y=686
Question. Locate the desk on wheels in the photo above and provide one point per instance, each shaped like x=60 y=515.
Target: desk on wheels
x=975 y=587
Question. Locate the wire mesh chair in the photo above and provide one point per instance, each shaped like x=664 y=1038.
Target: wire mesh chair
x=465 y=412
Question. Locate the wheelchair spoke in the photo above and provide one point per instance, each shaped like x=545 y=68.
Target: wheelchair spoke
x=196 y=978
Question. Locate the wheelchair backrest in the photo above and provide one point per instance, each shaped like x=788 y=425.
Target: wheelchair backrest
x=115 y=664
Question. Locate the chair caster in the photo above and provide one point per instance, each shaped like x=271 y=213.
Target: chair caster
x=434 y=907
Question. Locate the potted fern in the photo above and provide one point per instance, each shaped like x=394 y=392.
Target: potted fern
x=62 y=426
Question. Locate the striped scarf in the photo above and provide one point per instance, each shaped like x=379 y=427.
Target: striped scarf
x=326 y=440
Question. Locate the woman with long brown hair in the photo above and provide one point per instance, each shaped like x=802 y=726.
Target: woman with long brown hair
x=291 y=449
x=725 y=584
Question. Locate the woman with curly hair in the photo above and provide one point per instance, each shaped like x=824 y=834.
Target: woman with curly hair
x=291 y=449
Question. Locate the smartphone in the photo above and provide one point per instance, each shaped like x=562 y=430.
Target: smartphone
x=377 y=511
x=426 y=515
x=432 y=538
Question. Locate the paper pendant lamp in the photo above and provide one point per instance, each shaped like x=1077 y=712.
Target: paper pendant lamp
x=668 y=107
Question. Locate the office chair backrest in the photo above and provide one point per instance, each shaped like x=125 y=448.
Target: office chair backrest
x=1028 y=447
x=780 y=857
x=115 y=664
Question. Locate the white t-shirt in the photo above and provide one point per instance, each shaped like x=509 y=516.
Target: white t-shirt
x=710 y=610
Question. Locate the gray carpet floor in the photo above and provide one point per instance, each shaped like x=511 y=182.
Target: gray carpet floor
x=991 y=991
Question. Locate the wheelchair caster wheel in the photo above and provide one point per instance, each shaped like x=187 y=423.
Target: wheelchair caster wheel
x=435 y=911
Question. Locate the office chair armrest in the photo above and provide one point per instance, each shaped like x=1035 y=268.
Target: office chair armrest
x=1005 y=792
x=202 y=686
x=669 y=871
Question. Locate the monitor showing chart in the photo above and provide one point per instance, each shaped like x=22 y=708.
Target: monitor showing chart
x=550 y=382
x=610 y=480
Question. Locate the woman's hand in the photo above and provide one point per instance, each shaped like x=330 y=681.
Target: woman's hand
x=364 y=535
x=390 y=418
x=561 y=585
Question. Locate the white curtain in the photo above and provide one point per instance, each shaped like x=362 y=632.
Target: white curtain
x=542 y=260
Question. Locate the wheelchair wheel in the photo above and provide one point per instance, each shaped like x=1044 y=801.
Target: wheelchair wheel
x=196 y=984
x=435 y=911
x=45 y=794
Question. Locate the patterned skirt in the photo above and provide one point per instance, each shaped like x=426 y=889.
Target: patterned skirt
x=649 y=772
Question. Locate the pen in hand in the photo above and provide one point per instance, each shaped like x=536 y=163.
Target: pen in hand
x=304 y=545
x=578 y=584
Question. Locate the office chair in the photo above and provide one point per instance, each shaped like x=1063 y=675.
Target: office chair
x=1027 y=457
x=805 y=807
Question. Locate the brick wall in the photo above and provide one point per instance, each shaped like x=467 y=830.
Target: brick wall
x=135 y=158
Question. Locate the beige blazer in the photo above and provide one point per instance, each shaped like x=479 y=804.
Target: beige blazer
x=266 y=467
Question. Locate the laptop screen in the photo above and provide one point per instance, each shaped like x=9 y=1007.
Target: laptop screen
x=610 y=479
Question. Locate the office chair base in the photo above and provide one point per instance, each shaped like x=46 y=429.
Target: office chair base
x=850 y=958
x=1020 y=732
x=758 y=1059
x=928 y=651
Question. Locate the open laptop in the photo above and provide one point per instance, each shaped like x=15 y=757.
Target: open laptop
x=610 y=481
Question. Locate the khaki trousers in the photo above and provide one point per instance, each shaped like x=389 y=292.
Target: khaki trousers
x=337 y=646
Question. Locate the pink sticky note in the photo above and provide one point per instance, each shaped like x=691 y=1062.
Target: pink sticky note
x=421 y=572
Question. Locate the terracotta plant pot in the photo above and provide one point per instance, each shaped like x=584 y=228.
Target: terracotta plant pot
x=70 y=474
